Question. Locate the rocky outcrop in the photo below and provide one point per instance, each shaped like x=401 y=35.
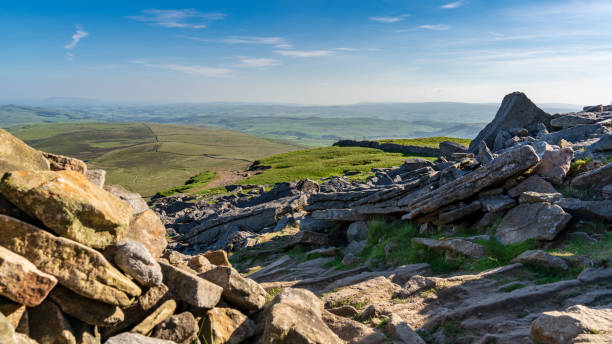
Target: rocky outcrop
x=560 y=327
x=519 y=223
x=15 y=155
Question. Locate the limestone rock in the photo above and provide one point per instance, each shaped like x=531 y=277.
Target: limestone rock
x=399 y=329
x=555 y=164
x=519 y=225
x=147 y=229
x=560 y=327
x=96 y=177
x=294 y=316
x=604 y=144
x=15 y=155
x=76 y=266
x=87 y=310
x=70 y=205
x=534 y=184
x=349 y=215
x=64 y=163
x=453 y=246
x=596 y=178
x=244 y=293
x=542 y=259
x=535 y=197
x=353 y=331
x=135 y=261
x=21 y=281
x=588 y=210
x=180 y=328
x=415 y=164
x=163 y=312
x=447 y=148
x=497 y=203
x=218 y=257
x=133 y=199
x=227 y=325
x=357 y=231
x=190 y=288
x=135 y=338
x=590 y=275
x=49 y=325
x=573 y=119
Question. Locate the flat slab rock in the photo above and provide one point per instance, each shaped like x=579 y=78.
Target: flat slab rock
x=456 y=246
x=518 y=224
x=15 y=155
x=558 y=327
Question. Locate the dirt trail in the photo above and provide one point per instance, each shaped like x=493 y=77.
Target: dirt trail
x=228 y=177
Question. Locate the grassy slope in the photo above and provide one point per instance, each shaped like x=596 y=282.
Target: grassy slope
x=150 y=157
x=433 y=142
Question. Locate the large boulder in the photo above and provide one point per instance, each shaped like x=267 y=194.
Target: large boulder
x=76 y=266
x=227 y=325
x=135 y=261
x=516 y=111
x=242 y=292
x=180 y=328
x=86 y=310
x=555 y=164
x=294 y=316
x=15 y=155
x=21 y=281
x=147 y=229
x=70 y=205
x=560 y=327
x=190 y=288
x=540 y=221
x=65 y=163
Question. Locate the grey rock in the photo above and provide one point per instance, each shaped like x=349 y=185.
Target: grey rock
x=484 y=154
x=338 y=215
x=590 y=275
x=307 y=238
x=454 y=246
x=354 y=247
x=400 y=329
x=190 y=288
x=536 y=197
x=243 y=293
x=135 y=338
x=180 y=328
x=534 y=184
x=576 y=134
x=350 y=259
x=449 y=147
x=357 y=231
x=597 y=178
x=134 y=199
x=555 y=164
x=519 y=224
x=603 y=145
x=542 y=259
x=559 y=327
x=588 y=210
x=497 y=203
x=135 y=260
x=573 y=119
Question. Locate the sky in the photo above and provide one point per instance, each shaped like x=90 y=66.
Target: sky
x=307 y=52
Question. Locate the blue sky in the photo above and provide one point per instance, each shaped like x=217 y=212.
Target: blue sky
x=311 y=52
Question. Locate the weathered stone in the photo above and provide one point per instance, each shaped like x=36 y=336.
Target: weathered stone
x=453 y=246
x=218 y=257
x=497 y=203
x=96 y=177
x=147 y=229
x=597 y=178
x=49 y=325
x=415 y=164
x=135 y=338
x=604 y=144
x=588 y=210
x=191 y=288
x=243 y=293
x=516 y=111
x=353 y=331
x=456 y=212
x=65 y=163
x=133 y=199
x=484 y=154
x=338 y=215
x=536 y=197
x=163 y=312
x=449 y=147
x=7 y=332
x=534 y=184
x=560 y=327
x=400 y=330
x=87 y=310
x=541 y=258
x=308 y=186
x=70 y=205
x=135 y=261
x=347 y=311
x=540 y=221
x=15 y=155
x=200 y=263
x=577 y=133
x=350 y=259
x=180 y=328
x=363 y=292
x=503 y=167
x=573 y=119
x=308 y=238
x=357 y=231
x=76 y=266
x=227 y=325
x=555 y=164
x=294 y=316
x=354 y=248
x=21 y=281
x=590 y=275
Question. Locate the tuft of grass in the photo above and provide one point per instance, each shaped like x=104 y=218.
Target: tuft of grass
x=197 y=181
x=271 y=294
x=337 y=264
x=499 y=254
x=577 y=165
x=380 y=234
x=598 y=253
x=432 y=142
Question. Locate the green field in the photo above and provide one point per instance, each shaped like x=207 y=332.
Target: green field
x=147 y=157
x=432 y=142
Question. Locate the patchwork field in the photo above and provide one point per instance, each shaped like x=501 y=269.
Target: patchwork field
x=147 y=157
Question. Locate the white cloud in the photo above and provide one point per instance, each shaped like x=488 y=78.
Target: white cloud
x=257 y=62
x=346 y=49
x=76 y=38
x=304 y=53
x=211 y=72
x=279 y=42
x=184 y=19
x=436 y=27
x=389 y=20
x=452 y=5
x=283 y=46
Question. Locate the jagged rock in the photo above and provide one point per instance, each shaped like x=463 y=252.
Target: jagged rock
x=555 y=164
x=218 y=257
x=578 y=133
x=338 y=215
x=190 y=288
x=573 y=119
x=135 y=338
x=147 y=229
x=542 y=259
x=352 y=331
x=604 y=144
x=244 y=293
x=414 y=164
x=163 y=312
x=503 y=167
x=357 y=231
x=49 y=325
x=453 y=246
x=497 y=203
x=516 y=111
x=133 y=199
x=64 y=163
x=96 y=177
x=536 y=197
x=15 y=155
x=86 y=310
x=227 y=325
x=180 y=328
x=399 y=329
x=307 y=238
x=589 y=210
x=534 y=184
x=484 y=154
x=519 y=225
x=64 y=259
x=136 y=261
x=560 y=327
x=70 y=205
x=21 y=281
x=596 y=178
x=294 y=316
x=457 y=211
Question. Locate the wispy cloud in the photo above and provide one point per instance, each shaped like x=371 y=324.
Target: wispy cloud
x=304 y=53
x=389 y=20
x=283 y=46
x=184 y=19
x=210 y=72
x=435 y=27
x=76 y=38
x=452 y=5
x=252 y=62
x=278 y=42
x=346 y=49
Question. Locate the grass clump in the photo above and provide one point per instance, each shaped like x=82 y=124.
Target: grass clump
x=199 y=180
x=433 y=142
x=577 y=165
x=499 y=254
x=271 y=294
x=598 y=253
